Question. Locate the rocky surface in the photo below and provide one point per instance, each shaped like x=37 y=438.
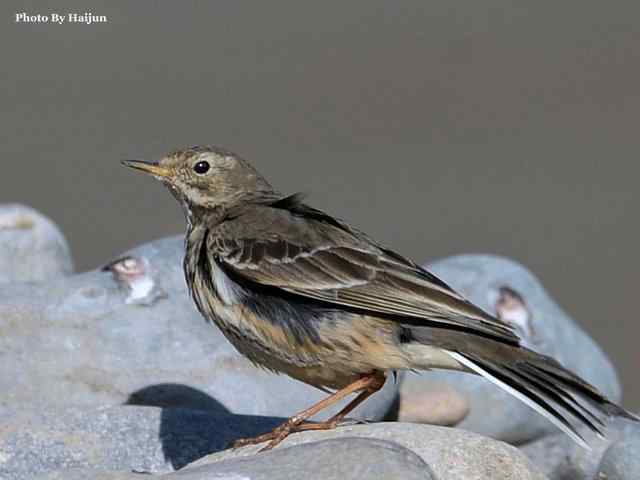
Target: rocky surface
x=615 y=456
x=32 y=248
x=129 y=333
x=621 y=461
x=90 y=474
x=506 y=288
x=335 y=459
x=157 y=440
x=559 y=458
x=338 y=459
x=451 y=453
x=147 y=439
x=76 y=347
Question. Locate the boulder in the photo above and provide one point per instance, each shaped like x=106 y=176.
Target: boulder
x=336 y=459
x=339 y=459
x=559 y=458
x=129 y=333
x=621 y=461
x=450 y=453
x=508 y=290
x=32 y=248
x=121 y=438
x=157 y=440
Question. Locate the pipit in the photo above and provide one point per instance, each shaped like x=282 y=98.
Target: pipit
x=300 y=292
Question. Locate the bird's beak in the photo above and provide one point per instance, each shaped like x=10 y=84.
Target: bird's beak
x=152 y=168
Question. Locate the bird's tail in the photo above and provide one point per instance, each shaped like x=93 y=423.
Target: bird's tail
x=546 y=386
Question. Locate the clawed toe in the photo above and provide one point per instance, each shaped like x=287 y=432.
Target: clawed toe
x=274 y=438
x=241 y=442
x=277 y=435
x=270 y=445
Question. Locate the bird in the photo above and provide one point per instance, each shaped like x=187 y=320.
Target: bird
x=300 y=292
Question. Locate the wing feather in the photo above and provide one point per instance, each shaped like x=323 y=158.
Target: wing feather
x=317 y=259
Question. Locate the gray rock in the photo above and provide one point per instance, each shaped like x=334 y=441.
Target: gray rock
x=451 y=453
x=495 y=283
x=340 y=459
x=123 y=438
x=130 y=333
x=32 y=248
x=155 y=440
x=337 y=459
x=621 y=461
x=559 y=458
x=90 y=474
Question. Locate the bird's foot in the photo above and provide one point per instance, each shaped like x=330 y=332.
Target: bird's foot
x=278 y=434
x=366 y=385
x=274 y=437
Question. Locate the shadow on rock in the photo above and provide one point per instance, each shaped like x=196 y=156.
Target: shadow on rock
x=171 y=395
x=194 y=424
x=188 y=435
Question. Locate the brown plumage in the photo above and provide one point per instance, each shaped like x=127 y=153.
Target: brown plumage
x=300 y=292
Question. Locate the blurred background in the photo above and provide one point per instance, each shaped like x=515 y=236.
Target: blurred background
x=438 y=127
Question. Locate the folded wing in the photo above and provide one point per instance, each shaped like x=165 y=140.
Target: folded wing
x=308 y=253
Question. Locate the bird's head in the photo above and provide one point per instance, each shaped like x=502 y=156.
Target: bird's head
x=205 y=176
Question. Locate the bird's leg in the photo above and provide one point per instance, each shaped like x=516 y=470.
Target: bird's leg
x=367 y=385
x=334 y=421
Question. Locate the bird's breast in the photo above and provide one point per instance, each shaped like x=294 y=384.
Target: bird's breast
x=252 y=331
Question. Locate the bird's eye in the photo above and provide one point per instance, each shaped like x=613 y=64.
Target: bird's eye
x=201 y=167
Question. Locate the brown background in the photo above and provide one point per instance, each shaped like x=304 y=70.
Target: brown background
x=439 y=127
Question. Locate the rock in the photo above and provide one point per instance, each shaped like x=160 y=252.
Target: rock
x=338 y=459
x=129 y=333
x=122 y=438
x=436 y=403
x=161 y=440
x=559 y=458
x=451 y=453
x=621 y=461
x=504 y=287
x=90 y=474
x=32 y=248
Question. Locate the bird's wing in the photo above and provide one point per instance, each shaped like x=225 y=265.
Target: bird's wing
x=306 y=252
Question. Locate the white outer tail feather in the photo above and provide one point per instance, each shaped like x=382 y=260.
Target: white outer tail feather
x=520 y=396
